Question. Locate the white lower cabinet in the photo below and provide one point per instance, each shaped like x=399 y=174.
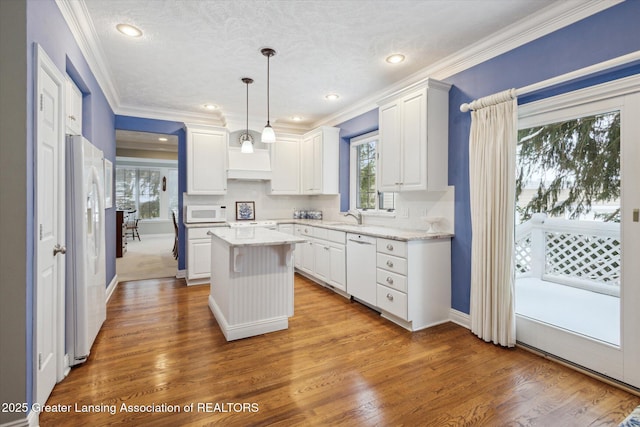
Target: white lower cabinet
x=413 y=281
x=198 y=255
x=323 y=256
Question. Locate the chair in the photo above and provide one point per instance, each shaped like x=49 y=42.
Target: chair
x=132 y=225
x=175 y=242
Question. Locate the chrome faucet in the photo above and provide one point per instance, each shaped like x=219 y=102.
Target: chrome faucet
x=357 y=215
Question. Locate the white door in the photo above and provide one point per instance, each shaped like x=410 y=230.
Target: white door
x=50 y=226
x=611 y=345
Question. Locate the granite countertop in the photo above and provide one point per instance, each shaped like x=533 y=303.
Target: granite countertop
x=392 y=233
x=205 y=224
x=255 y=236
x=400 y=234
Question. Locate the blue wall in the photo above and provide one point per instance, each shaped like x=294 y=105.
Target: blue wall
x=364 y=123
x=169 y=128
x=609 y=34
x=47 y=27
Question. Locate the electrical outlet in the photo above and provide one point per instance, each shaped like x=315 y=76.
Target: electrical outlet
x=423 y=212
x=404 y=212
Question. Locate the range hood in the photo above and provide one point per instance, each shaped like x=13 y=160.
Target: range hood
x=254 y=166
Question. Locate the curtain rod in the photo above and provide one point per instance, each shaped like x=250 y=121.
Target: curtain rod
x=582 y=72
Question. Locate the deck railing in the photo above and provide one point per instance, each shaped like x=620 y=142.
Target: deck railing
x=584 y=254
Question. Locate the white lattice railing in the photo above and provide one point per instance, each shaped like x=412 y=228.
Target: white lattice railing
x=584 y=254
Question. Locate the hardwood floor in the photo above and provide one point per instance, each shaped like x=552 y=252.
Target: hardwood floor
x=339 y=363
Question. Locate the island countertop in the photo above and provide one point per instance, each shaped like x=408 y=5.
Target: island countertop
x=254 y=236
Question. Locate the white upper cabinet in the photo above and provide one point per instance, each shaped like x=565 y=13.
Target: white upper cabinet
x=285 y=165
x=73 y=113
x=319 y=161
x=414 y=138
x=206 y=159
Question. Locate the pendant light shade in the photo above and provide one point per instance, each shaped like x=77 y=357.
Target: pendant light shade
x=245 y=139
x=268 y=135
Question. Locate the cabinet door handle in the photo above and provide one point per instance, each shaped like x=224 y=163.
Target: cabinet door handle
x=72 y=118
x=390 y=297
x=326 y=248
x=389 y=247
x=390 y=280
x=389 y=263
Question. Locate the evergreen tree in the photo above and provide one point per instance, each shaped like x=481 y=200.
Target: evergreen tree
x=580 y=162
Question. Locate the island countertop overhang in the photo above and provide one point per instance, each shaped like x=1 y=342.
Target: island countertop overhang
x=254 y=236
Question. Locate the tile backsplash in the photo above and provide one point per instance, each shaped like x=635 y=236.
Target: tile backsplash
x=414 y=210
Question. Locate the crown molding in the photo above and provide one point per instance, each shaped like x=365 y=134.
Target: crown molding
x=76 y=15
x=546 y=21
x=212 y=119
x=533 y=27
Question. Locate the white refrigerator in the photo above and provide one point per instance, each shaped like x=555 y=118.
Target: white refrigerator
x=85 y=258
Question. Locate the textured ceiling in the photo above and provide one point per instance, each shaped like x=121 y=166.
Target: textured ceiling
x=195 y=52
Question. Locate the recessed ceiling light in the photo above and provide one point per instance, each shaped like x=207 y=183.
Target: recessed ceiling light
x=396 y=58
x=332 y=96
x=129 y=30
x=163 y=139
x=296 y=118
x=210 y=106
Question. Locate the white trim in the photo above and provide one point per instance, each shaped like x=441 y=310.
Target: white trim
x=43 y=63
x=111 y=288
x=460 y=318
x=589 y=95
x=568 y=77
x=553 y=18
x=76 y=15
x=31 y=420
x=546 y=21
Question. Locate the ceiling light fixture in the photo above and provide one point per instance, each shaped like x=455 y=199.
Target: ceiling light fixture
x=268 y=135
x=245 y=139
x=163 y=139
x=332 y=96
x=210 y=106
x=296 y=118
x=129 y=30
x=396 y=58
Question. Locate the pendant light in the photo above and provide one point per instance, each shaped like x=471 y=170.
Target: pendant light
x=268 y=135
x=245 y=138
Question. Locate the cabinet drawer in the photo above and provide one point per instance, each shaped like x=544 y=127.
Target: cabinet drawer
x=336 y=236
x=304 y=230
x=199 y=233
x=392 y=280
x=392 y=247
x=392 y=301
x=392 y=263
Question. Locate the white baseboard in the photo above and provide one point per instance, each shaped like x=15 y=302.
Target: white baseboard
x=460 y=318
x=181 y=274
x=112 y=287
x=31 y=420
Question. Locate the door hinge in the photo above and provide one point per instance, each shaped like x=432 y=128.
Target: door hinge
x=40 y=231
x=39 y=361
x=41 y=102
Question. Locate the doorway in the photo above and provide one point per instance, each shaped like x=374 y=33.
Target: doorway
x=577 y=163
x=146 y=194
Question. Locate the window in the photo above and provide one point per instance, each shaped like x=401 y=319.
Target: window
x=151 y=191
x=363 y=169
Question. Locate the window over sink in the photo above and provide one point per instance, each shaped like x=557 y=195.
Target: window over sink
x=364 y=194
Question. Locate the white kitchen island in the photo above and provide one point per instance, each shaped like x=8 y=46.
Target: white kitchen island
x=251 y=291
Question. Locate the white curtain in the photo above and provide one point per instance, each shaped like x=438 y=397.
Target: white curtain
x=492 y=146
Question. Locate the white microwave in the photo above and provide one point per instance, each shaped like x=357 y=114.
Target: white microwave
x=205 y=213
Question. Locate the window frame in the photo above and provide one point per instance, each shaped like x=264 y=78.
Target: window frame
x=353 y=175
x=164 y=168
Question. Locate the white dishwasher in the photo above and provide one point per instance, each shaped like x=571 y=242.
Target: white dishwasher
x=361 y=272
